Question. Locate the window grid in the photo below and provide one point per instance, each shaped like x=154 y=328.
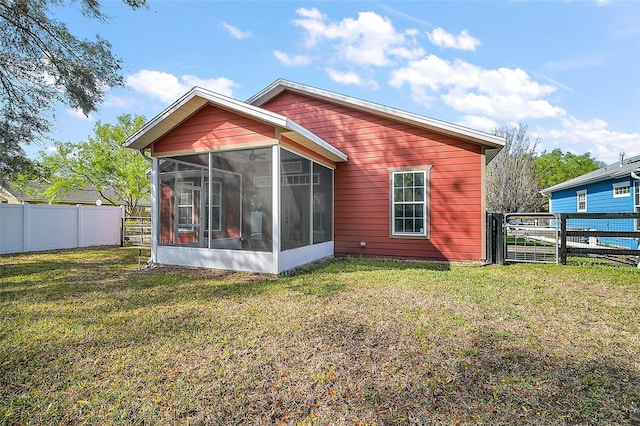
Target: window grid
x=185 y=209
x=582 y=201
x=409 y=203
x=622 y=189
x=216 y=206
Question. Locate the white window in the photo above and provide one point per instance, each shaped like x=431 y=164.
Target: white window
x=185 y=209
x=621 y=189
x=216 y=206
x=409 y=203
x=636 y=194
x=582 y=200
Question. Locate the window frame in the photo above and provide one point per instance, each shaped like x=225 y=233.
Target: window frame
x=211 y=205
x=191 y=189
x=621 y=185
x=426 y=233
x=578 y=194
x=636 y=201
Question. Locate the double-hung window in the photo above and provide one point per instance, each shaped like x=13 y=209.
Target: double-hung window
x=185 y=208
x=636 y=198
x=582 y=200
x=409 y=203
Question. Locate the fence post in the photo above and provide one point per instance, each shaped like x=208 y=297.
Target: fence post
x=563 y=238
x=80 y=224
x=499 y=221
x=26 y=219
x=489 y=238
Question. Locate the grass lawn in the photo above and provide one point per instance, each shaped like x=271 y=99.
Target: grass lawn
x=87 y=339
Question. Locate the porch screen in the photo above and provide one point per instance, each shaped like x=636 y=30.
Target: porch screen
x=217 y=200
x=306 y=196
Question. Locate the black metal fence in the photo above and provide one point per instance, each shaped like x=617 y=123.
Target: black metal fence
x=532 y=237
x=603 y=234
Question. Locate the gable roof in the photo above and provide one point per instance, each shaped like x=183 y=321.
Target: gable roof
x=197 y=98
x=438 y=126
x=615 y=170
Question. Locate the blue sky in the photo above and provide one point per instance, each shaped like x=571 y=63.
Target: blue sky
x=570 y=70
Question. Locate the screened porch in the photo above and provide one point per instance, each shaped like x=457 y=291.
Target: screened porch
x=221 y=209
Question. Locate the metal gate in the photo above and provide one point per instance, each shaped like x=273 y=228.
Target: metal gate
x=531 y=237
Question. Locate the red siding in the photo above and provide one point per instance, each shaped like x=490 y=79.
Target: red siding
x=375 y=145
x=211 y=127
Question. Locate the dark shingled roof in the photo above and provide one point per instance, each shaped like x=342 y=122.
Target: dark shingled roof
x=34 y=192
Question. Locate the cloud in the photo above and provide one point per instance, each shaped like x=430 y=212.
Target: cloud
x=463 y=41
x=605 y=144
x=167 y=87
x=77 y=113
x=293 y=61
x=236 y=32
x=501 y=93
x=483 y=124
x=369 y=40
x=350 y=77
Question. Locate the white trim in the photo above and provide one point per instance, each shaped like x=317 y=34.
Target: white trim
x=466 y=133
x=578 y=194
x=423 y=203
x=155 y=209
x=619 y=185
x=276 y=210
x=197 y=98
x=296 y=257
x=234 y=260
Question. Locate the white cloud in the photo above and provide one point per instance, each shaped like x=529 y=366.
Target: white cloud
x=77 y=113
x=368 y=40
x=236 y=32
x=121 y=102
x=348 y=77
x=483 y=124
x=463 y=41
x=293 y=61
x=501 y=94
x=593 y=135
x=167 y=87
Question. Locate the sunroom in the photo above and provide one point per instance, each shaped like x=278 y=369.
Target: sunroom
x=237 y=187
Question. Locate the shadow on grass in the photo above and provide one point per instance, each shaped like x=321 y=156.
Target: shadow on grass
x=354 y=264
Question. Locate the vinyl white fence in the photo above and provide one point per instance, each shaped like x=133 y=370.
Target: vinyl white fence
x=35 y=227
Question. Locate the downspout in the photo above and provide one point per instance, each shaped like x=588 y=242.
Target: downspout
x=145 y=156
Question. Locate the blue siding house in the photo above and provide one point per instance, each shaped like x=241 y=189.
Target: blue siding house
x=614 y=188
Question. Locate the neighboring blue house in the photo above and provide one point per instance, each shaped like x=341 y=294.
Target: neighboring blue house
x=612 y=189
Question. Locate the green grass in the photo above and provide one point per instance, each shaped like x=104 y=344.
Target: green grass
x=87 y=339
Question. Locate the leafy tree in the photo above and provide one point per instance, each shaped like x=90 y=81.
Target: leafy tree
x=101 y=162
x=512 y=184
x=556 y=166
x=42 y=64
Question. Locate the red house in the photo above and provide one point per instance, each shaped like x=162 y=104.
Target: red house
x=296 y=174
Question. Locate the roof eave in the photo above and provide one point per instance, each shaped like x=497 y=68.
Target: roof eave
x=197 y=97
x=438 y=126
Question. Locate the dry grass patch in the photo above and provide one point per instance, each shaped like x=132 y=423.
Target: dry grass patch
x=86 y=339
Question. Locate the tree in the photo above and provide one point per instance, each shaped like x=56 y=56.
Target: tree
x=512 y=185
x=42 y=64
x=101 y=162
x=556 y=166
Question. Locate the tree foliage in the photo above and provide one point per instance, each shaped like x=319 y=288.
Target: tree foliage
x=101 y=162
x=512 y=184
x=42 y=64
x=556 y=166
